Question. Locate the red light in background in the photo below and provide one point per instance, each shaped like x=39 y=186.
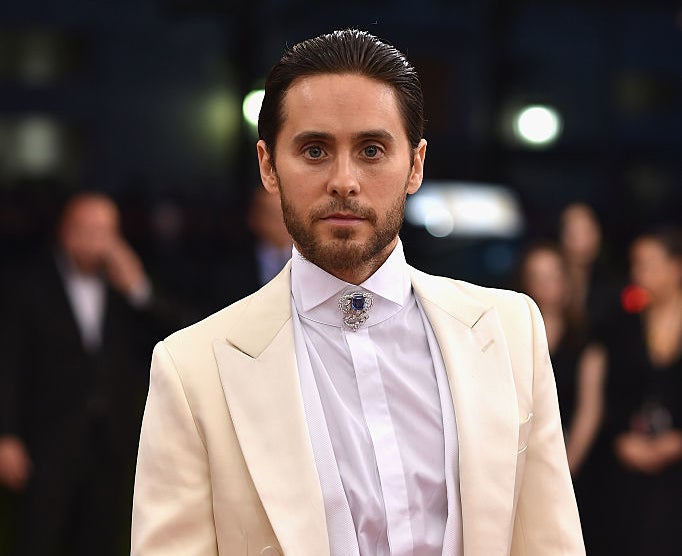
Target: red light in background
x=634 y=298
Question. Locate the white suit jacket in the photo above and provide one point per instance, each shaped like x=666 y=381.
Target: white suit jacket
x=225 y=464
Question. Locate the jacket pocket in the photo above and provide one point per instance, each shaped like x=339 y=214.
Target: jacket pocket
x=525 y=427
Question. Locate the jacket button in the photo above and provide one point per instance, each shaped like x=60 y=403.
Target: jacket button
x=270 y=551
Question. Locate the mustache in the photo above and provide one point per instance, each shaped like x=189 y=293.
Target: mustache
x=347 y=206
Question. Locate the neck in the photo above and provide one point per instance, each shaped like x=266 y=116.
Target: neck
x=551 y=311
x=361 y=270
x=554 y=327
x=355 y=276
x=667 y=300
x=73 y=265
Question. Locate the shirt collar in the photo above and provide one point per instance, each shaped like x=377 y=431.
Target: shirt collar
x=70 y=273
x=312 y=286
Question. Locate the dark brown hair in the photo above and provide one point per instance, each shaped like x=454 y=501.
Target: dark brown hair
x=347 y=51
x=667 y=236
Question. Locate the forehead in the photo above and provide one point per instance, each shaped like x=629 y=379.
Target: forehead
x=579 y=217
x=648 y=247
x=340 y=104
x=90 y=211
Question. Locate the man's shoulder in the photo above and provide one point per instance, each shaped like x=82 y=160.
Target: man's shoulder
x=212 y=327
x=436 y=286
x=246 y=323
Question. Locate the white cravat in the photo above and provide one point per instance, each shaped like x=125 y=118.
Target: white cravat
x=376 y=405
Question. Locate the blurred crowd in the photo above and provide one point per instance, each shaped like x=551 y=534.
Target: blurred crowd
x=81 y=317
x=616 y=349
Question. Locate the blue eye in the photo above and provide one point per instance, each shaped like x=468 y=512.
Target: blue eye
x=371 y=151
x=314 y=152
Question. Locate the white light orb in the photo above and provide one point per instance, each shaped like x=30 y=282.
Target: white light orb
x=251 y=106
x=538 y=125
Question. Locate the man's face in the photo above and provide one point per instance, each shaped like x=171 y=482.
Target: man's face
x=88 y=229
x=343 y=169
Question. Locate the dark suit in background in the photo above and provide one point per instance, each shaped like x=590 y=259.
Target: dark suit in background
x=70 y=405
x=244 y=271
x=77 y=411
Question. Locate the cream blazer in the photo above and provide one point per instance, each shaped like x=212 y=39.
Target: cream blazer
x=225 y=464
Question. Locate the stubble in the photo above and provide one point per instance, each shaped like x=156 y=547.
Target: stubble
x=343 y=253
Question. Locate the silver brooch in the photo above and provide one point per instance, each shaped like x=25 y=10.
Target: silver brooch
x=355 y=307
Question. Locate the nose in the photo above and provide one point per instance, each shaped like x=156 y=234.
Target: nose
x=343 y=180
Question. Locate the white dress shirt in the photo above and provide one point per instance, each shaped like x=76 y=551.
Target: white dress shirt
x=87 y=297
x=379 y=413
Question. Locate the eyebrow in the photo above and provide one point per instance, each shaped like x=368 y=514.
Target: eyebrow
x=373 y=134
x=305 y=136
x=323 y=136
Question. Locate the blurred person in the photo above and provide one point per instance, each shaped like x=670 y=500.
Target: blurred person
x=273 y=244
x=260 y=261
x=353 y=405
x=592 y=293
x=72 y=382
x=578 y=371
x=644 y=397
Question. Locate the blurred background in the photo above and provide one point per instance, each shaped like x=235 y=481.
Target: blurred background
x=531 y=106
x=144 y=100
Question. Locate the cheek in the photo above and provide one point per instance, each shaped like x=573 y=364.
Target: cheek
x=646 y=277
x=383 y=188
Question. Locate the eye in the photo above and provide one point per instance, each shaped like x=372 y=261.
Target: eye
x=371 y=151
x=314 y=152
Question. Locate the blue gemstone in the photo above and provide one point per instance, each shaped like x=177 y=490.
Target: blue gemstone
x=358 y=301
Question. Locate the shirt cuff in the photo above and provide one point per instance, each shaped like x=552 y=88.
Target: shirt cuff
x=140 y=296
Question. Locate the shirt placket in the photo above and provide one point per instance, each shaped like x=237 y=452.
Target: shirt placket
x=384 y=441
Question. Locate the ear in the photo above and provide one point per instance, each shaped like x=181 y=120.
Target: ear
x=414 y=182
x=268 y=175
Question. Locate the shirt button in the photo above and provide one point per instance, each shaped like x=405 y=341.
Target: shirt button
x=270 y=551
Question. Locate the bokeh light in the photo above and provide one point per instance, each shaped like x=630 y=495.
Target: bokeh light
x=538 y=125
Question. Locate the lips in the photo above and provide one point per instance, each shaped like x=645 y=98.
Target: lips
x=347 y=212
x=342 y=219
x=342 y=216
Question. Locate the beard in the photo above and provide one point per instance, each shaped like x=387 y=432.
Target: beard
x=343 y=251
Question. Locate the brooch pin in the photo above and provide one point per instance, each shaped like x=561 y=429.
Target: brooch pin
x=355 y=307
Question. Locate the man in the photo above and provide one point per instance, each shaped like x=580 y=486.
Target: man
x=256 y=262
x=72 y=384
x=353 y=405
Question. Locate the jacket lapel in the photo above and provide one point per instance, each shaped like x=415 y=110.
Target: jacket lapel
x=481 y=381
x=257 y=365
x=259 y=376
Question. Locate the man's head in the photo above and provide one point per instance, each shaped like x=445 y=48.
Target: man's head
x=265 y=219
x=88 y=226
x=343 y=52
x=341 y=153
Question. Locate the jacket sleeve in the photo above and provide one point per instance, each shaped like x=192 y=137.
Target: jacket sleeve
x=547 y=521
x=172 y=506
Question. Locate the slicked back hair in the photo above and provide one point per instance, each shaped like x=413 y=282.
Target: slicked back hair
x=348 y=51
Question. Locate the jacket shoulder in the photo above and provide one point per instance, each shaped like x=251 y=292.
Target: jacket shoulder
x=471 y=299
x=494 y=296
x=516 y=310
x=202 y=333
